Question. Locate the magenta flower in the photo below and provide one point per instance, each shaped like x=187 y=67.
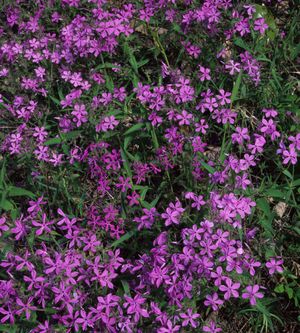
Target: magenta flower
x=252 y=292
x=35 y=205
x=80 y=114
x=133 y=306
x=108 y=123
x=260 y=25
x=173 y=213
x=7 y=315
x=213 y=301
x=189 y=318
x=233 y=67
x=169 y=328
x=230 y=289
x=85 y=320
x=25 y=307
x=91 y=243
x=3 y=227
x=212 y=328
x=184 y=118
x=274 y=266
x=204 y=73
x=133 y=198
x=290 y=156
x=224 y=97
x=43 y=226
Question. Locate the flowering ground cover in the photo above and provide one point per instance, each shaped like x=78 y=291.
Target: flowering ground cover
x=148 y=166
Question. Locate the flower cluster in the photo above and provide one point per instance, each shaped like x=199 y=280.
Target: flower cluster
x=137 y=163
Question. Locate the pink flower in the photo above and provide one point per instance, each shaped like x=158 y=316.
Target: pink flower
x=252 y=292
x=234 y=67
x=289 y=156
x=184 y=118
x=43 y=226
x=189 y=318
x=80 y=114
x=108 y=123
x=230 y=289
x=204 y=73
x=212 y=328
x=134 y=306
x=3 y=227
x=260 y=25
x=274 y=266
x=173 y=213
x=213 y=301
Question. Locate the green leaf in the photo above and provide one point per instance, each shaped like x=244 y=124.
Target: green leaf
x=279 y=288
x=209 y=168
x=132 y=60
x=236 y=87
x=2 y=173
x=55 y=100
x=144 y=192
x=109 y=83
x=134 y=128
x=266 y=220
x=53 y=141
x=263 y=204
x=126 y=287
x=8 y=328
x=6 y=205
x=296 y=183
x=275 y=193
x=290 y=292
x=288 y=174
x=106 y=65
x=142 y=62
x=126 y=163
x=124 y=238
x=71 y=135
x=20 y=192
x=154 y=138
x=241 y=43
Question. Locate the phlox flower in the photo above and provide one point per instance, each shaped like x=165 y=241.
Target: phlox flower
x=260 y=25
x=3 y=227
x=189 y=318
x=212 y=328
x=204 y=74
x=173 y=213
x=274 y=265
x=108 y=123
x=252 y=293
x=289 y=155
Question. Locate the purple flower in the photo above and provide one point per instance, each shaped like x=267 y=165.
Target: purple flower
x=230 y=289
x=169 y=328
x=3 y=227
x=173 y=213
x=260 y=25
x=43 y=226
x=108 y=123
x=80 y=114
x=7 y=315
x=213 y=301
x=289 y=156
x=25 y=307
x=189 y=318
x=204 y=73
x=212 y=328
x=252 y=292
x=133 y=306
x=274 y=266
